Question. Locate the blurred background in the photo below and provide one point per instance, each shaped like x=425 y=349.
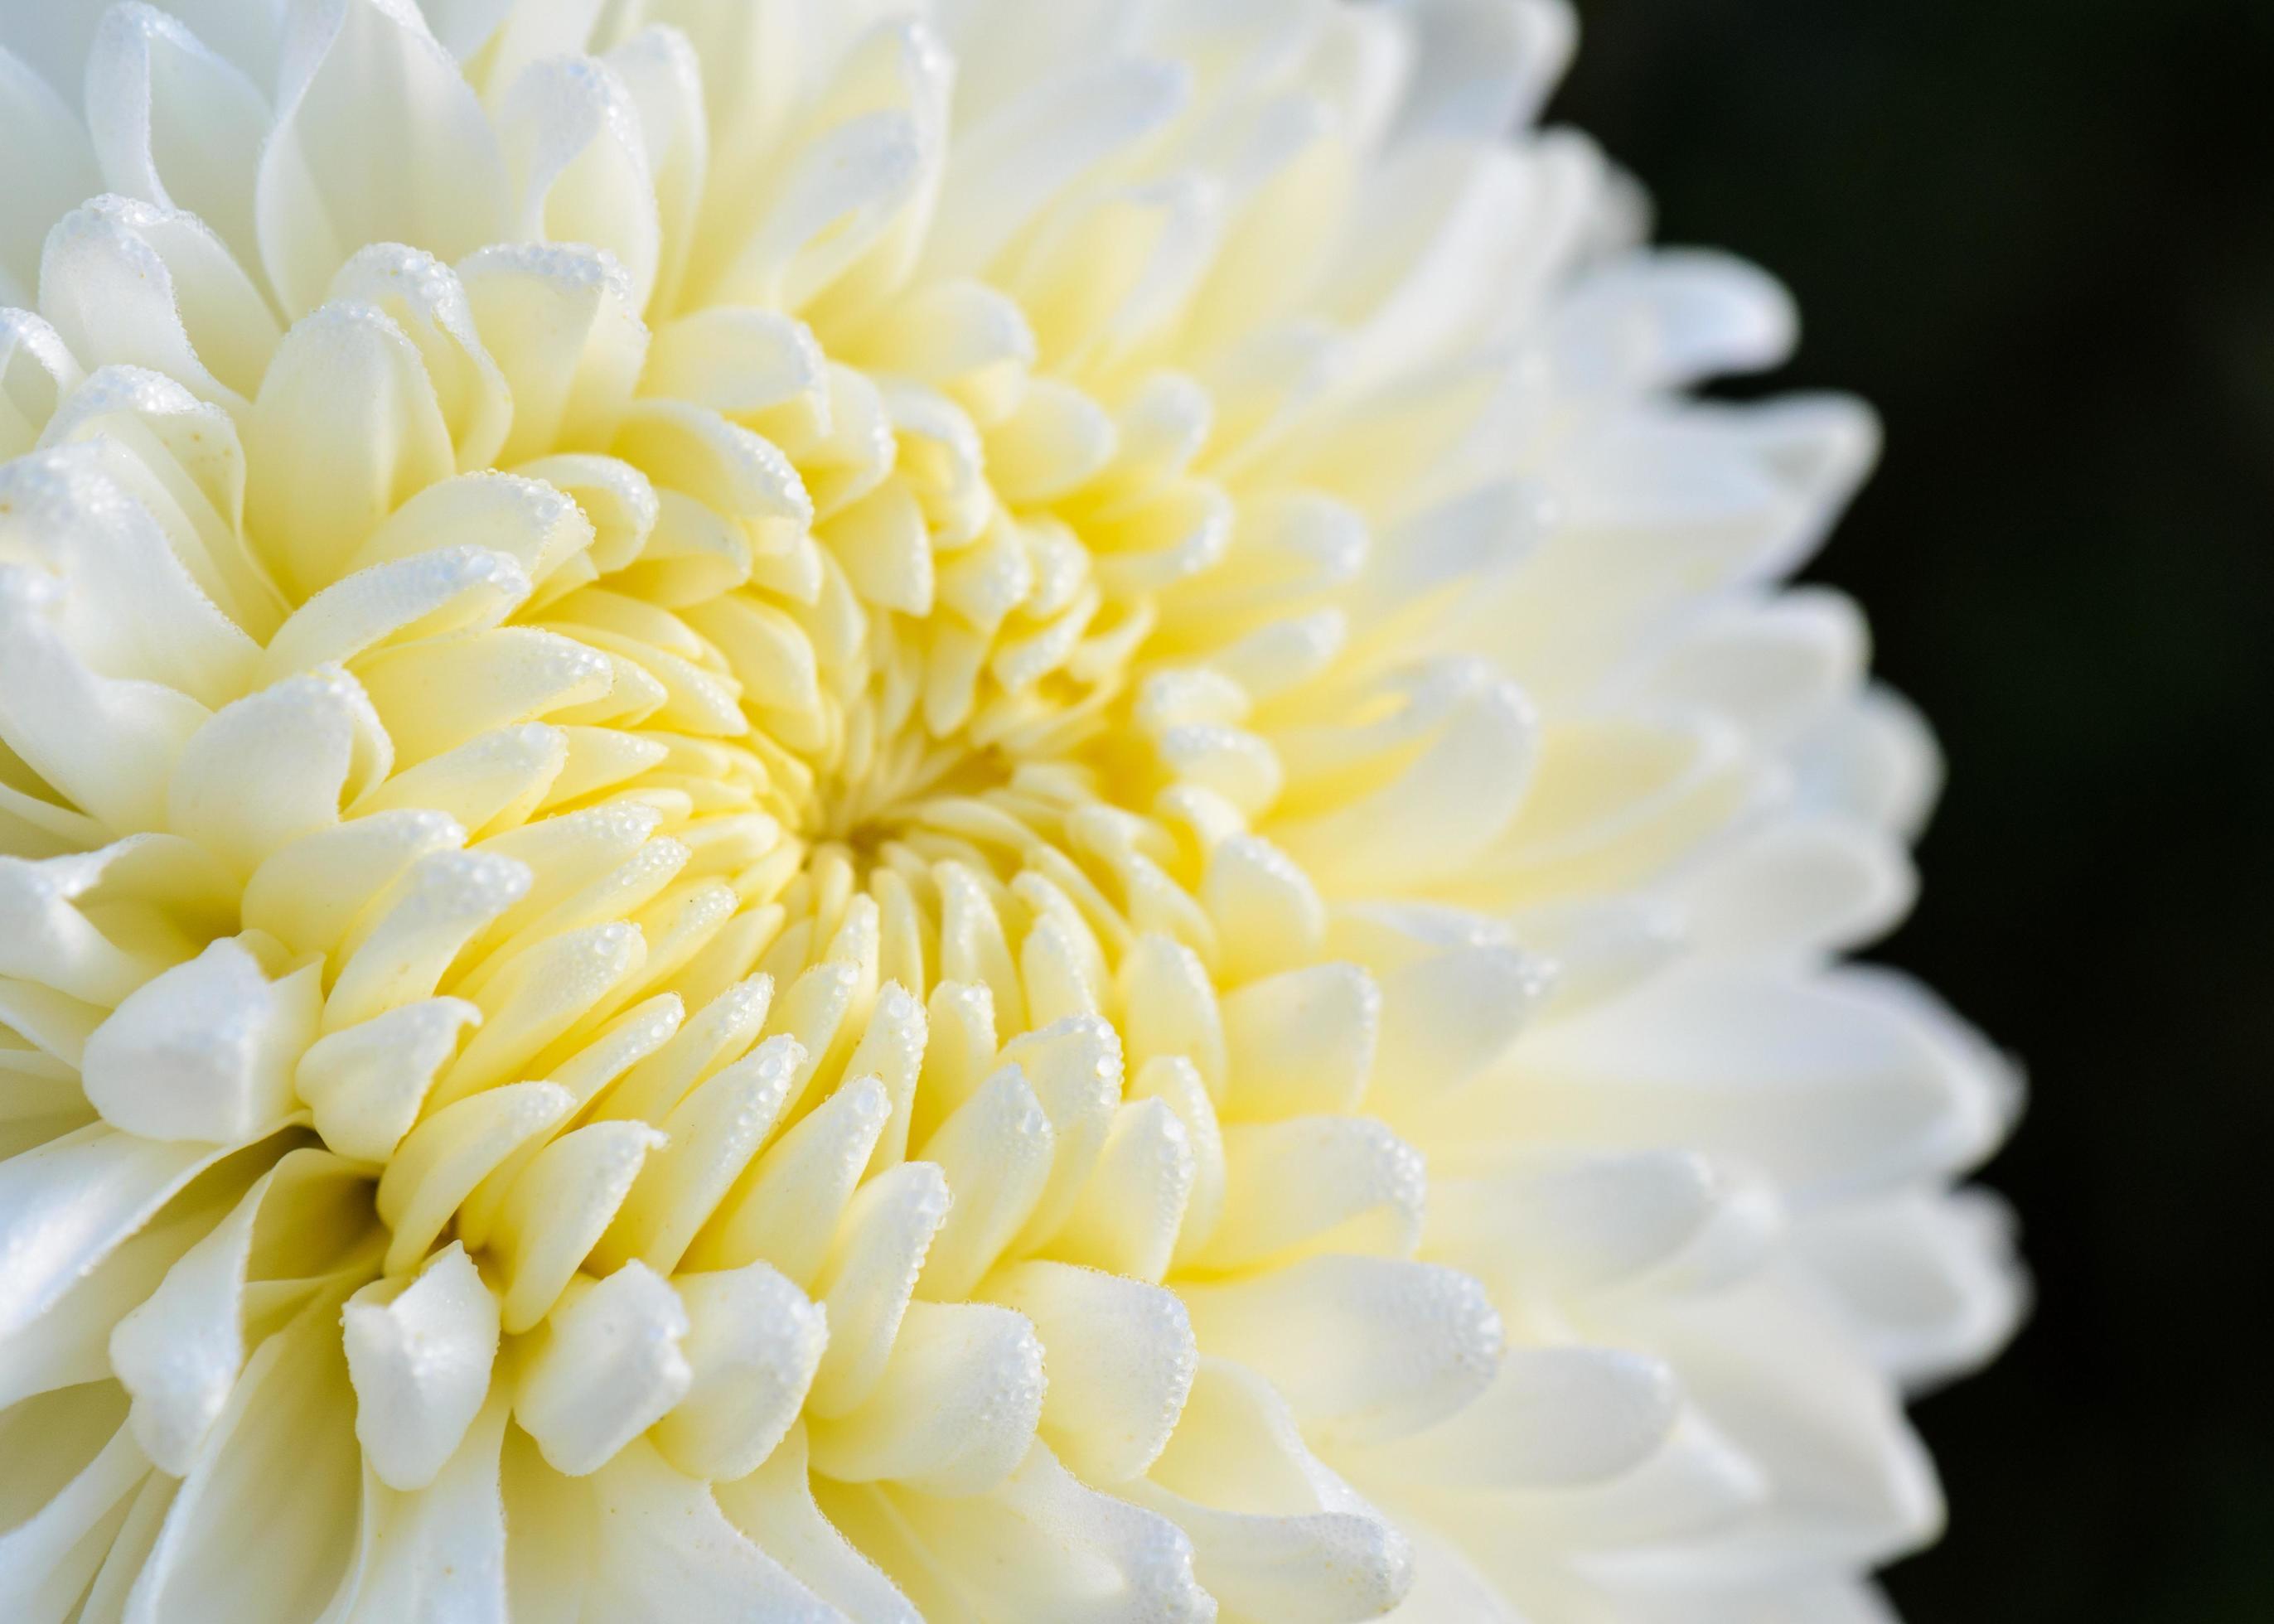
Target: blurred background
x=2039 y=239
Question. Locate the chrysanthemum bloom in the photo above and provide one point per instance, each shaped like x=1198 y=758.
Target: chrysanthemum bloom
x=985 y=812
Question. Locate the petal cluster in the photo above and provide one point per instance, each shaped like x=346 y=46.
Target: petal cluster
x=876 y=811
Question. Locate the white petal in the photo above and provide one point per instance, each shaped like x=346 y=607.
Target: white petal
x=1130 y=1212
x=607 y=1368
x=175 y=123
x=786 y=1208
x=754 y=1341
x=1315 y=1183
x=1447 y=245
x=1301 y=1042
x=1120 y=1358
x=531 y=997
x=282 y=1465
x=180 y=1351
x=1275 y=1533
x=1735 y=494
x=1595 y=949
x=1553 y=1416
x=345 y=428
x=995 y=1151
x=508 y=38
x=1831 y=1083
x=1470 y=541
x=636 y=1530
x=52 y=941
x=1074 y=1067
x=1775 y=665
x=440 y=1553
x=276 y=765
x=714 y=1133
x=1171 y=1010
x=248 y=32
x=1850 y=1482
x=1930 y=1282
x=955 y=1408
x=735 y=359
x=947 y=331
x=421 y=295
x=1802 y=886
x=367 y=1082
x=180 y=459
x=562 y=324
x=356 y=72
x=1267 y=913
x=1002 y=171
x=573 y=142
x=1446 y=1017
x=47 y=1559
x=67 y=1345
x=718 y=463
x=559 y=1207
x=420 y=1359
x=775 y=1507
x=827 y=205
x=34 y=119
x=438 y=590
x=1571 y=1223
x=131 y=282
x=205 y=1051
x=309 y=894
x=116 y=593
x=1666 y=319
x=445 y=1156
x=447 y=692
x=1365 y=1349
x=105 y=743
x=884 y=548
x=36 y=372
x=1700 y=1485
x=1044 y=1544
x=664 y=76
x=716 y=1037
x=1438 y=807
x=870 y=1276
x=1877 y=760
x=1483 y=65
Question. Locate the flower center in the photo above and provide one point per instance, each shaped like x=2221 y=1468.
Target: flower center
x=907 y=786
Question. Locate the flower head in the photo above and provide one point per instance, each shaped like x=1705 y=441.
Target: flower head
x=820 y=809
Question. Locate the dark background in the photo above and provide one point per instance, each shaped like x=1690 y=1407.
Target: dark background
x=2039 y=236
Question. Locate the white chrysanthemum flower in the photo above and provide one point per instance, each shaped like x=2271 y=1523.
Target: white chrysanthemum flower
x=823 y=809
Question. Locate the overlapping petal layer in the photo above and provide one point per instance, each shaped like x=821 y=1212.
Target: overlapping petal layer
x=973 y=811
